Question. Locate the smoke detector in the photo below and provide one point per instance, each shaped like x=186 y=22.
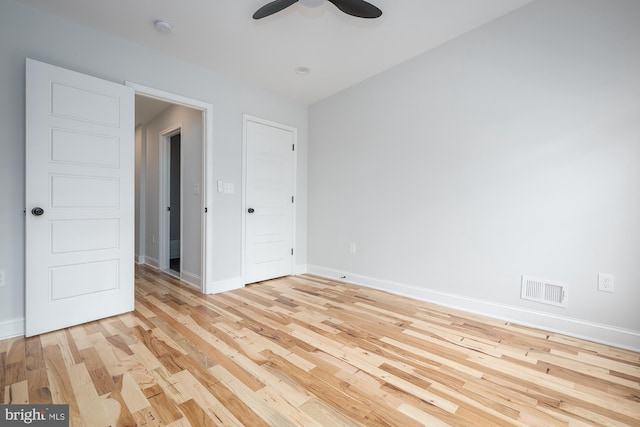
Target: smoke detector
x=163 y=26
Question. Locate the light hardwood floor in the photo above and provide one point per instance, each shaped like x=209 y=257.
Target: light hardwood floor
x=309 y=351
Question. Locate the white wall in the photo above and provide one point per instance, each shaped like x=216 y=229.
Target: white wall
x=514 y=149
x=27 y=32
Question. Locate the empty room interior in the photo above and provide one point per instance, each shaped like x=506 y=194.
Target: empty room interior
x=320 y=212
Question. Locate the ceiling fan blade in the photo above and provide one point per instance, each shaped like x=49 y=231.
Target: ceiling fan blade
x=273 y=7
x=359 y=8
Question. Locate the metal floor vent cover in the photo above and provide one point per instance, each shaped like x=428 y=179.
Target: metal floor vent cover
x=545 y=291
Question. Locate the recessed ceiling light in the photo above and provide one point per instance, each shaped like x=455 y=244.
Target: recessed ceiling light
x=303 y=70
x=163 y=26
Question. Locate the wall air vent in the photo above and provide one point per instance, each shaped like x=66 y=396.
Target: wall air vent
x=545 y=291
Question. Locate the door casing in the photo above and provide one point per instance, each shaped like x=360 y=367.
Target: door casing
x=207 y=172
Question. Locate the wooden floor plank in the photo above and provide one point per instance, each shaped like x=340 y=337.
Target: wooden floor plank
x=307 y=350
x=38 y=381
x=60 y=380
x=195 y=414
x=17 y=393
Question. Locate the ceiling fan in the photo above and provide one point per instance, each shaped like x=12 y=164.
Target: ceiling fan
x=358 y=8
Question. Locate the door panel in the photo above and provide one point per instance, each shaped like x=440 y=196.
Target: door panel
x=69 y=191
x=84 y=149
x=69 y=236
x=269 y=192
x=83 y=104
x=73 y=281
x=79 y=170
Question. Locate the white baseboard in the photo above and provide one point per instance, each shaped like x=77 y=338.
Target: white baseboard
x=224 y=285
x=188 y=278
x=193 y=279
x=140 y=259
x=11 y=328
x=300 y=269
x=151 y=262
x=601 y=333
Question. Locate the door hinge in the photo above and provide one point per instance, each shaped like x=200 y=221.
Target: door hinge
x=293 y=147
x=205 y=210
x=291 y=251
x=291 y=199
x=168 y=208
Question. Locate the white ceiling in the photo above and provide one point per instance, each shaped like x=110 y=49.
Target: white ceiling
x=339 y=49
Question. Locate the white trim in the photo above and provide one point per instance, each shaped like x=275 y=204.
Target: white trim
x=192 y=279
x=301 y=269
x=226 y=285
x=154 y=267
x=207 y=168
x=11 y=328
x=140 y=259
x=170 y=272
x=152 y=262
x=246 y=118
x=187 y=278
x=601 y=333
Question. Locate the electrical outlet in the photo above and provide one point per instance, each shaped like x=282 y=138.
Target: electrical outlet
x=352 y=248
x=605 y=282
x=3 y=278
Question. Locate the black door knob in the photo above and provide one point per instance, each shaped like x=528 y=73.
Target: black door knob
x=37 y=211
x=251 y=210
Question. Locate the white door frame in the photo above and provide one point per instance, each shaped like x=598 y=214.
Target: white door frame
x=207 y=171
x=246 y=118
x=164 y=235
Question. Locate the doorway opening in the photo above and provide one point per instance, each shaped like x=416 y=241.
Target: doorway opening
x=173 y=231
x=175 y=204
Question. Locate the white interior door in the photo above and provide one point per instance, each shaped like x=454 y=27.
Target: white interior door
x=80 y=173
x=269 y=200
